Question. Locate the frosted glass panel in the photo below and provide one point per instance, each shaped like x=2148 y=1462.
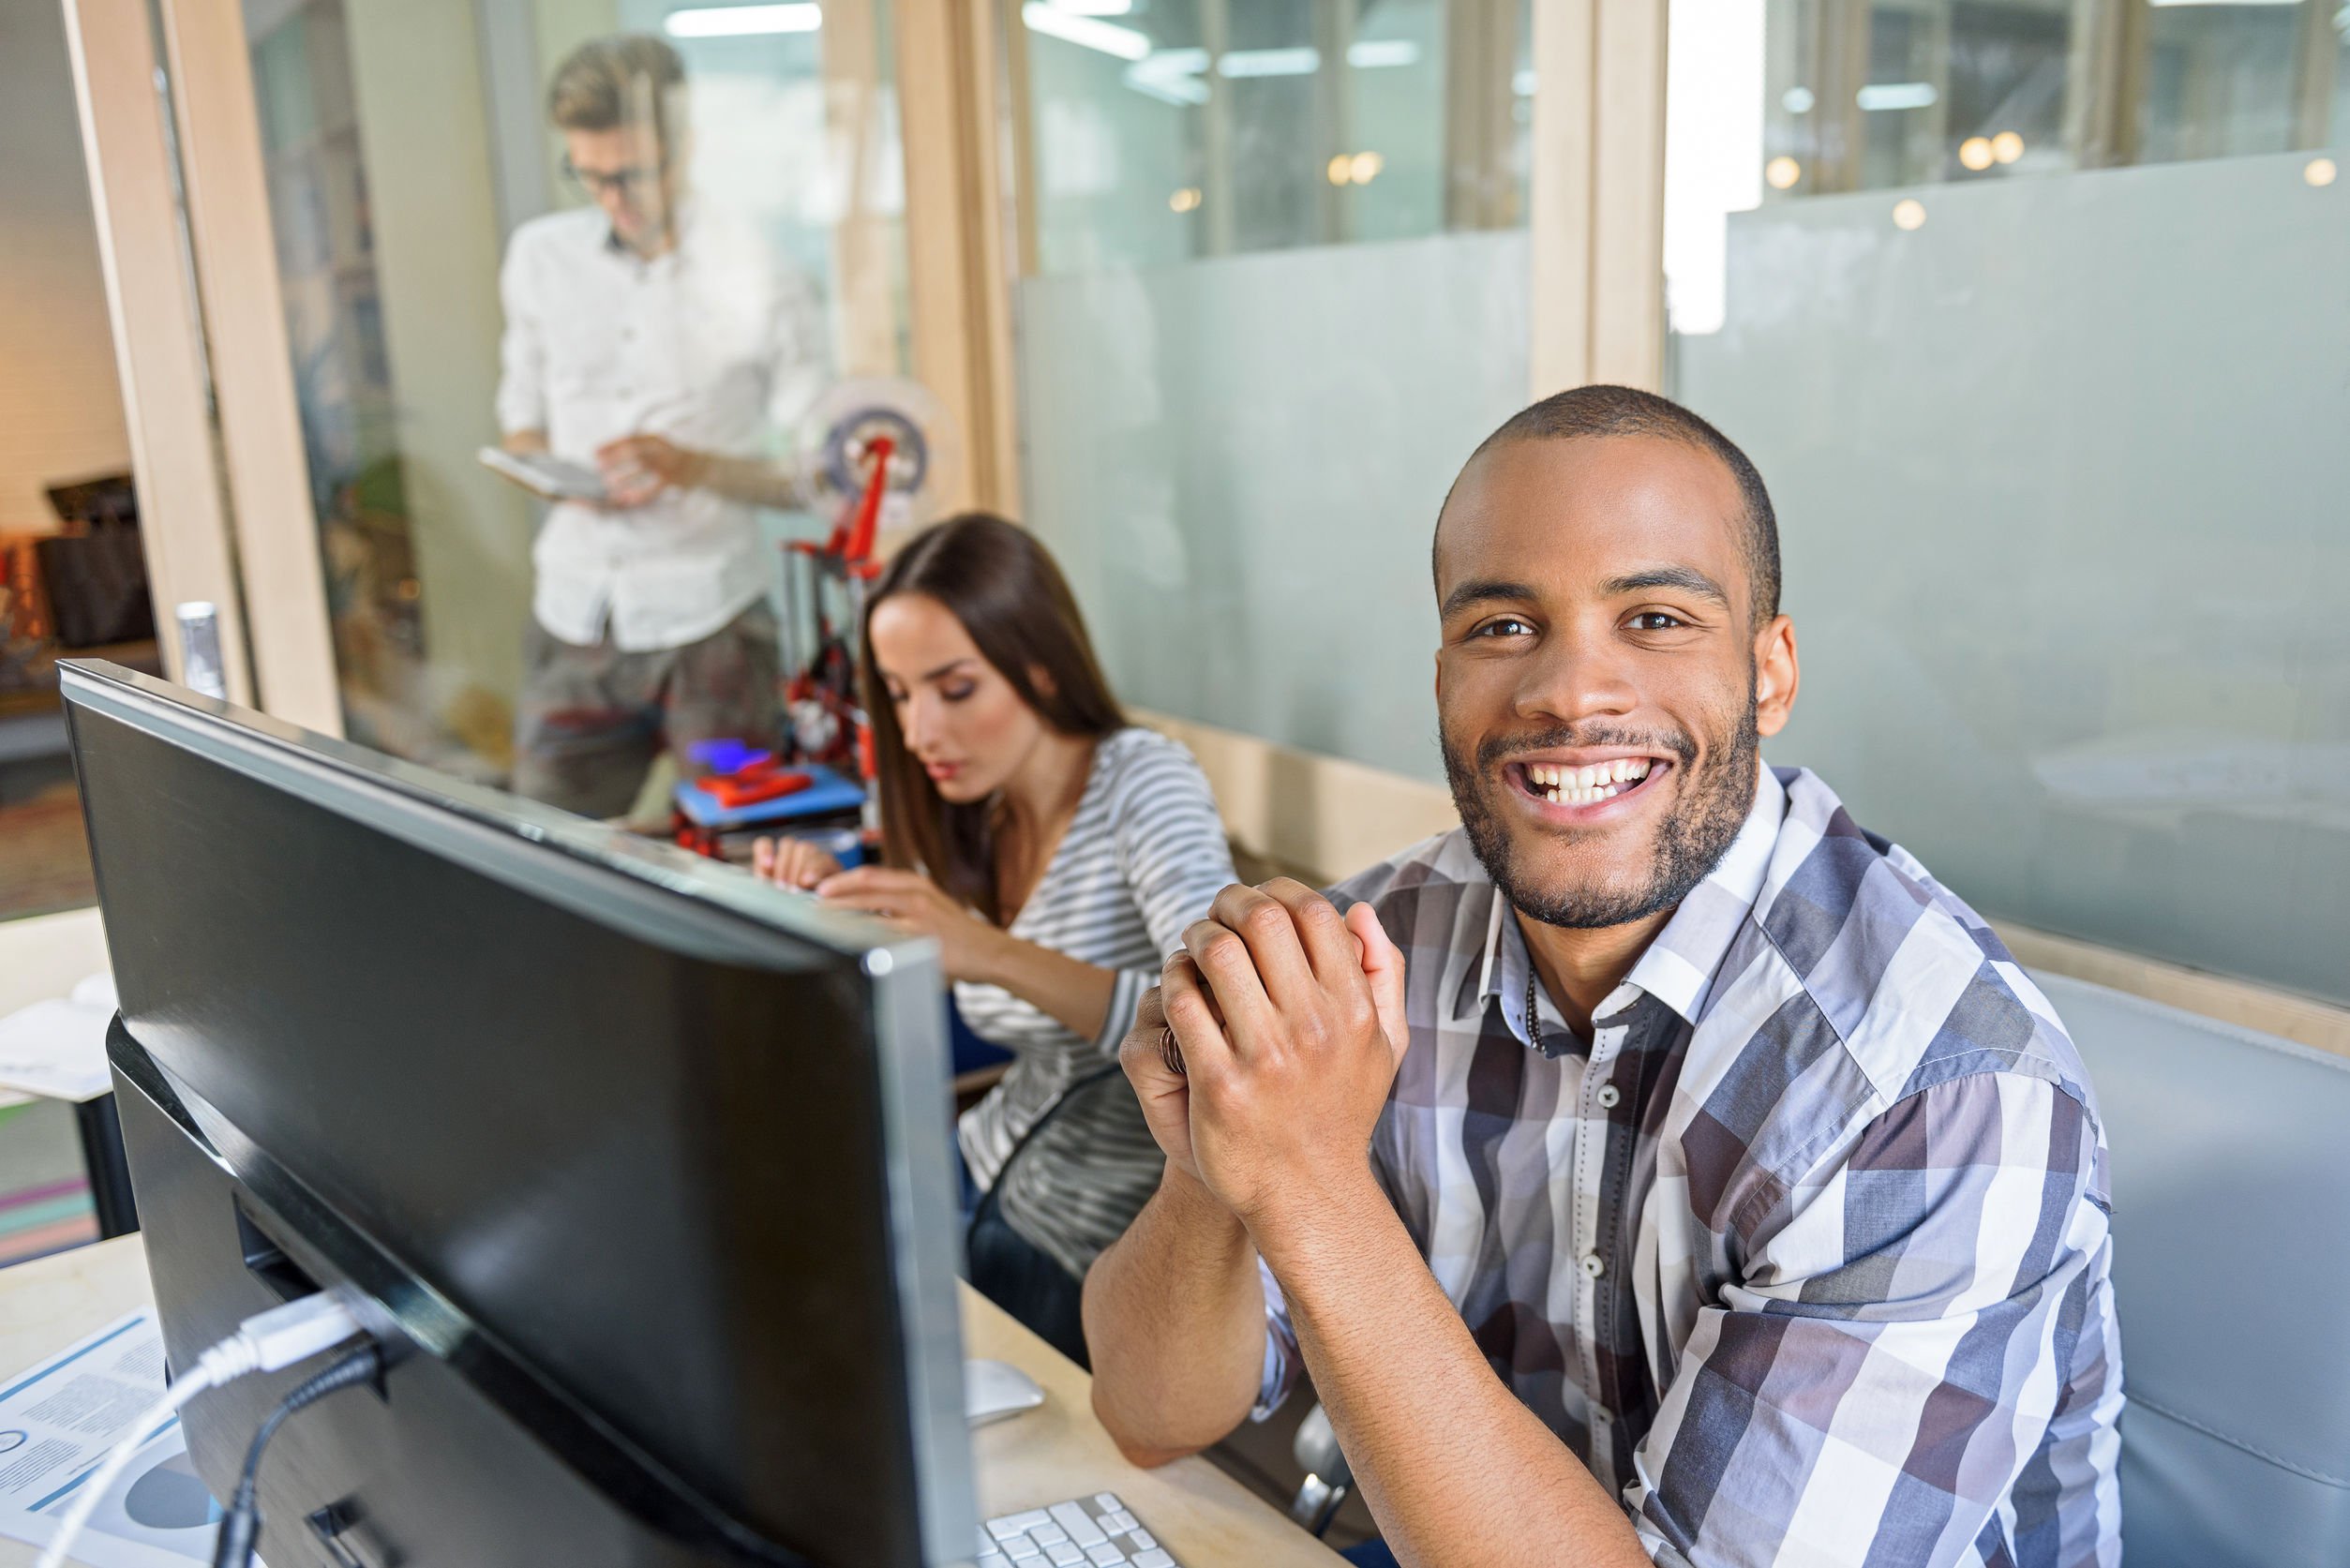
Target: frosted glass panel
x=2063 y=481
x=1240 y=463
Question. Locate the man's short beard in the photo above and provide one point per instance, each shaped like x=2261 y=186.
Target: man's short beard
x=1713 y=805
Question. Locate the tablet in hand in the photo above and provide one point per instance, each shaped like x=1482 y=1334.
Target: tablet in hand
x=544 y=474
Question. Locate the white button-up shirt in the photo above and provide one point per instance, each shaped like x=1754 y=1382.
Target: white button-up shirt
x=715 y=345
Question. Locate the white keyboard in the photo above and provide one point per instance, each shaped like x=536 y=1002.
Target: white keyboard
x=1093 y=1531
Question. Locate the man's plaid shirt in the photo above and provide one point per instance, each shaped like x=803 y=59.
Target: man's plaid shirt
x=1807 y=1257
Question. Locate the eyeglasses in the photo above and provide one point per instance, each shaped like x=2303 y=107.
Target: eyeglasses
x=619 y=182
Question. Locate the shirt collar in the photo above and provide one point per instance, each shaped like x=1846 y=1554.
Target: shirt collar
x=682 y=227
x=1678 y=966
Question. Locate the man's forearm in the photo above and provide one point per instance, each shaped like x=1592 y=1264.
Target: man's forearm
x=754 y=480
x=1174 y=1321
x=1456 y=1471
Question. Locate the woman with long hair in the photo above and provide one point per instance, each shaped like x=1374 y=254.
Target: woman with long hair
x=1057 y=853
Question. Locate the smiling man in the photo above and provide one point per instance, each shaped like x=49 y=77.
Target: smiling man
x=1660 y=1167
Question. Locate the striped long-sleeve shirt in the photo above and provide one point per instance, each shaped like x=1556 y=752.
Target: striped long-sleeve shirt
x=1142 y=858
x=1806 y=1256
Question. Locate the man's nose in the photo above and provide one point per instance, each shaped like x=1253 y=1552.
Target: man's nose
x=1577 y=677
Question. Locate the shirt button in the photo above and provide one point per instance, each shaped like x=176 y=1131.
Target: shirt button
x=1609 y=1096
x=1593 y=1265
x=1601 y=1416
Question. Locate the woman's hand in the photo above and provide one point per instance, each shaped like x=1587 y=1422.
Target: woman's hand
x=791 y=863
x=968 y=945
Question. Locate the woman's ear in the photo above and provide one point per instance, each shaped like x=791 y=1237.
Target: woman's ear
x=1042 y=682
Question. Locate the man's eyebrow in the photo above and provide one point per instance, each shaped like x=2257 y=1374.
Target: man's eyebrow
x=1688 y=578
x=1480 y=590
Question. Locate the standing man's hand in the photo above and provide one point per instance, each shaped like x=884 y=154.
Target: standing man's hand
x=1289 y=1023
x=636 y=469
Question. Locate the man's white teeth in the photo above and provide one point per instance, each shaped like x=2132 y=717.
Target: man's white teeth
x=1584 y=786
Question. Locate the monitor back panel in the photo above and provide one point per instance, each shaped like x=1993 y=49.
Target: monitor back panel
x=633 y=1133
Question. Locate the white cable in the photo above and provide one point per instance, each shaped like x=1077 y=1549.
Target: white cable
x=266 y=1342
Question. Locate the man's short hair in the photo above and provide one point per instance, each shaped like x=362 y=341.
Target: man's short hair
x=609 y=83
x=1624 y=411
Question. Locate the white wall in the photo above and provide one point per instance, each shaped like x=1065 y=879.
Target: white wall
x=61 y=412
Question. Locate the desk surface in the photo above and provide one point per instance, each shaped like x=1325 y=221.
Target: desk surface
x=1053 y=1451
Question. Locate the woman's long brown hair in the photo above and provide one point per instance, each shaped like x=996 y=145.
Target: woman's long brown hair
x=994 y=579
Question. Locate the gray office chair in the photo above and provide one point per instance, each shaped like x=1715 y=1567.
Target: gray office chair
x=2231 y=1175
x=1328 y=1478
x=2231 y=1168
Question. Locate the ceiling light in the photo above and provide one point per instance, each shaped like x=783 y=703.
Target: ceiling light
x=1269 y=62
x=1909 y=213
x=1370 y=55
x=1095 y=7
x=1879 y=96
x=739 y=22
x=1185 y=199
x=1798 y=101
x=1339 y=171
x=1782 y=172
x=1366 y=167
x=1976 y=154
x=2319 y=172
x=1171 y=76
x=2007 y=146
x=1085 y=31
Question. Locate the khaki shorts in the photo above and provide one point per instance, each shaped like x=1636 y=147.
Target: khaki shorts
x=593 y=719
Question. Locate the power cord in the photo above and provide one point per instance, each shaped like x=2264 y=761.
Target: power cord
x=266 y=1342
x=241 y=1526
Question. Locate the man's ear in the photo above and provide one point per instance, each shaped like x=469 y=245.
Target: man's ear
x=1777 y=675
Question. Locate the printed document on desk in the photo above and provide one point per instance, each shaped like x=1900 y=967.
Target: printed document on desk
x=59 y=1419
x=58 y=1049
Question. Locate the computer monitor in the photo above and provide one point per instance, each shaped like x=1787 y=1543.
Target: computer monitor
x=648 y=1161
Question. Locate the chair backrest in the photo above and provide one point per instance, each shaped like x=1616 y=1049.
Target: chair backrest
x=2231 y=1176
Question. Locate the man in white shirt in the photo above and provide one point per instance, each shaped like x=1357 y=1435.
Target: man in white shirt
x=660 y=342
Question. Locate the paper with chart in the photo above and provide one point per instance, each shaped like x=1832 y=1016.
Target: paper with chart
x=58 y=1419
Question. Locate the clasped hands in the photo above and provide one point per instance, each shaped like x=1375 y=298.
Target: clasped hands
x=1286 y=1026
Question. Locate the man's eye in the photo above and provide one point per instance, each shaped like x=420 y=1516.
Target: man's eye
x=1507 y=626
x=1657 y=621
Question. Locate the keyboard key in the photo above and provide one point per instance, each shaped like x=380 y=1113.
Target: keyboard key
x=1140 y=1540
x=1117 y=1521
x=1108 y=1502
x=1065 y=1555
x=1047 y=1534
x=1105 y=1556
x=1015 y=1524
x=1080 y=1525
x=1025 y=1549
x=1154 y=1558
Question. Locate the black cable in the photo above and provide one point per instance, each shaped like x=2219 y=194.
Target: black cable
x=241 y=1525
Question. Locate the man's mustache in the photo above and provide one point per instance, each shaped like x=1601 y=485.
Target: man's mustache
x=1495 y=750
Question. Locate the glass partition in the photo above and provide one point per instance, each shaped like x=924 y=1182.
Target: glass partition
x=2033 y=317
x=603 y=233
x=1281 y=294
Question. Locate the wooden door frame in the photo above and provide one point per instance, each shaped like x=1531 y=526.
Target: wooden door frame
x=152 y=305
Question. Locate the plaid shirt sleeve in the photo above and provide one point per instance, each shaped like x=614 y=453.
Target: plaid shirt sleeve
x=1892 y=1369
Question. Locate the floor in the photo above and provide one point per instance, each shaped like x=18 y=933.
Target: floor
x=44 y=859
